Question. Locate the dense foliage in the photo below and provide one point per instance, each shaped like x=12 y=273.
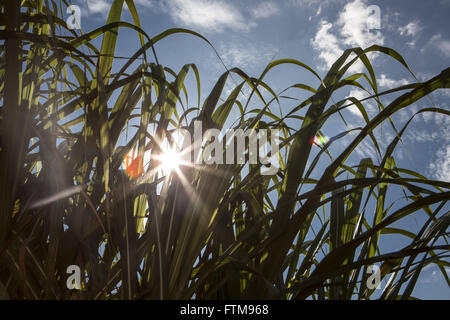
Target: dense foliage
x=205 y=232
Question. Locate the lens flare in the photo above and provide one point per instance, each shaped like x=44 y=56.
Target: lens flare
x=319 y=140
x=170 y=160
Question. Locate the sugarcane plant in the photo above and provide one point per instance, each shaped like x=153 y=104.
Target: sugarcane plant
x=82 y=181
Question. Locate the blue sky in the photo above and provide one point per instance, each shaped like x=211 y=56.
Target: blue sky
x=250 y=33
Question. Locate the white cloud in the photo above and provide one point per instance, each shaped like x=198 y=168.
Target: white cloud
x=437 y=133
x=442 y=44
x=368 y=104
x=145 y=3
x=444 y=92
x=441 y=166
x=303 y=3
x=432 y=278
x=351 y=29
x=366 y=149
x=354 y=21
x=98 y=6
x=265 y=10
x=102 y=7
x=319 y=11
x=440 y=129
x=327 y=43
x=246 y=55
x=422 y=136
x=424 y=76
x=215 y=15
x=403 y=115
x=388 y=83
x=443 y=121
x=427 y=116
x=411 y=29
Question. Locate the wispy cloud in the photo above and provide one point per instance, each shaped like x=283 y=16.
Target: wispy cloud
x=442 y=44
x=366 y=147
x=319 y=11
x=102 y=7
x=145 y=3
x=431 y=273
x=326 y=43
x=303 y=3
x=388 y=83
x=352 y=28
x=437 y=132
x=422 y=136
x=97 y=6
x=444 y=92
x=368 y=105
x=441 y=166
x=412 y=29
x=265 y=10
x=215 y=15
x=246 y=55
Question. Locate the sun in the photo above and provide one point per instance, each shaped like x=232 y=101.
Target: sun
x=170 y=160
